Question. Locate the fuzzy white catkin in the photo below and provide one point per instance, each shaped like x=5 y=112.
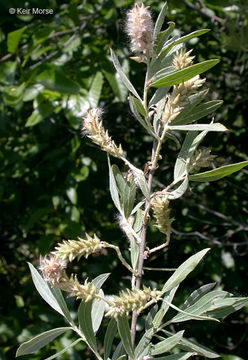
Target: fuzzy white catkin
x=139 y=27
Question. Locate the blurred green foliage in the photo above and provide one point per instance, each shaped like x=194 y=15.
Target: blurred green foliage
x=54 y=182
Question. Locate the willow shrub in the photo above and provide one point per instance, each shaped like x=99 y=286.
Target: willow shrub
x=172 y=101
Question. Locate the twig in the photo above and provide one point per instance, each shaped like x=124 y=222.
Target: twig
x=123 y=261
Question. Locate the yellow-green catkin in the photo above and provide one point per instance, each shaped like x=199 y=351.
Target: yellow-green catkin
x=92 y=126
x=71 y=249
x=86 y=291
x=178 y=98
x=128 y=301
x=201 y=158
x=161 y=213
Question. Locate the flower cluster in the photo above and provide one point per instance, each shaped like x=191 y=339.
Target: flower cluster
x=71 y=249
x=92 y=126
x=132 y=300
x=139 y=27
x=53 y=269
x=161 y=212
x=201 y=158
x=178 y=98
x=86 y=291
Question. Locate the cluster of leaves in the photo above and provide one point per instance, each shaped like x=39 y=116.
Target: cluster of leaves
x=52 y=70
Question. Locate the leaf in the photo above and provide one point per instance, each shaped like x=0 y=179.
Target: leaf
x=144 y=344
x=95 y=89
x=139 y=106
x=124 y=331
x=61 y=301
x=43 y=111
x=100 y=280
x=14 y=38
x=97 y=312
x=163 y=37
x=180 y=356
x=167 y=344
x=160 y=20
x=197 y=294
x=159 y=94
x=109 y=337
x=180 y=190
x=191 y=102
x=122 y=75
x=55 y=80
x=37 y=342
x=119 y=352
x=183 y=270
x=150 y=316
x=141 y=180
x=191 y=142
x=44 y=290
x=185 y=74
x=199 y=127
x=85 y=323
x=201 y=111
x=168 y=297
x=64 y=350
x=138 y=117
x=113 y=187
x=219 y=173
x=193 y=346
x=164 y=72
x=191 y=36
x=225 y=307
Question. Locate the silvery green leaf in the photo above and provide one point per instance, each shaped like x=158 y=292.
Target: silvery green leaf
x=197 y=294
x=183 y=270
x=85 y=323
x=61 y=301
x=119 y=352
x=144 y=344
x=122 y=75
x=37 y=342
x=199 y=112
x=113 y=187
x=64 y=350
x=150 y=316
x=191 y=102
x=124 y=331
x=160 y=20
x=141 y=180
x=224 y=307
x=198 y=127
x=191 y=36
x=219 y=173
x=97 y=312
x=159 y=94
x=180 y=190
x=185 y=74
x=44 y=290
x=109 y=337
x=100 y=280
x=164 y=72
x=168 y=297
x=193 y=346
x=163 y=36
x=180 y=356
x=167 y=344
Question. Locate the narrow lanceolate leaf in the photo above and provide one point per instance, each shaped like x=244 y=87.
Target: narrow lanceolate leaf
x=219 y=173
x=163 y=36
x=144 y=344
x=97 y=312
x=124 y=331
x=167 y=344
x=109 y=337
x=198 y=127
x=85 y=323
x=197 y=294
x=44 y=290
x=199 y=112
x=136 y=113
x=139 y=106
x=191 y=36
x=123 y=77
x=224 y=307
x=160 y=20
x=63 y=351
x=180 y=190
x=37 y=342
x=193 y=346
x=180 y=356
x=185 y=74
x=100 y=280
x=61 y=301
x=113 y=187
x=95 y=89
x=168 y=298
x=140 y=179
x=182 y=272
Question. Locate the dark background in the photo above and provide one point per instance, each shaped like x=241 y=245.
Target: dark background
x=54 y=182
